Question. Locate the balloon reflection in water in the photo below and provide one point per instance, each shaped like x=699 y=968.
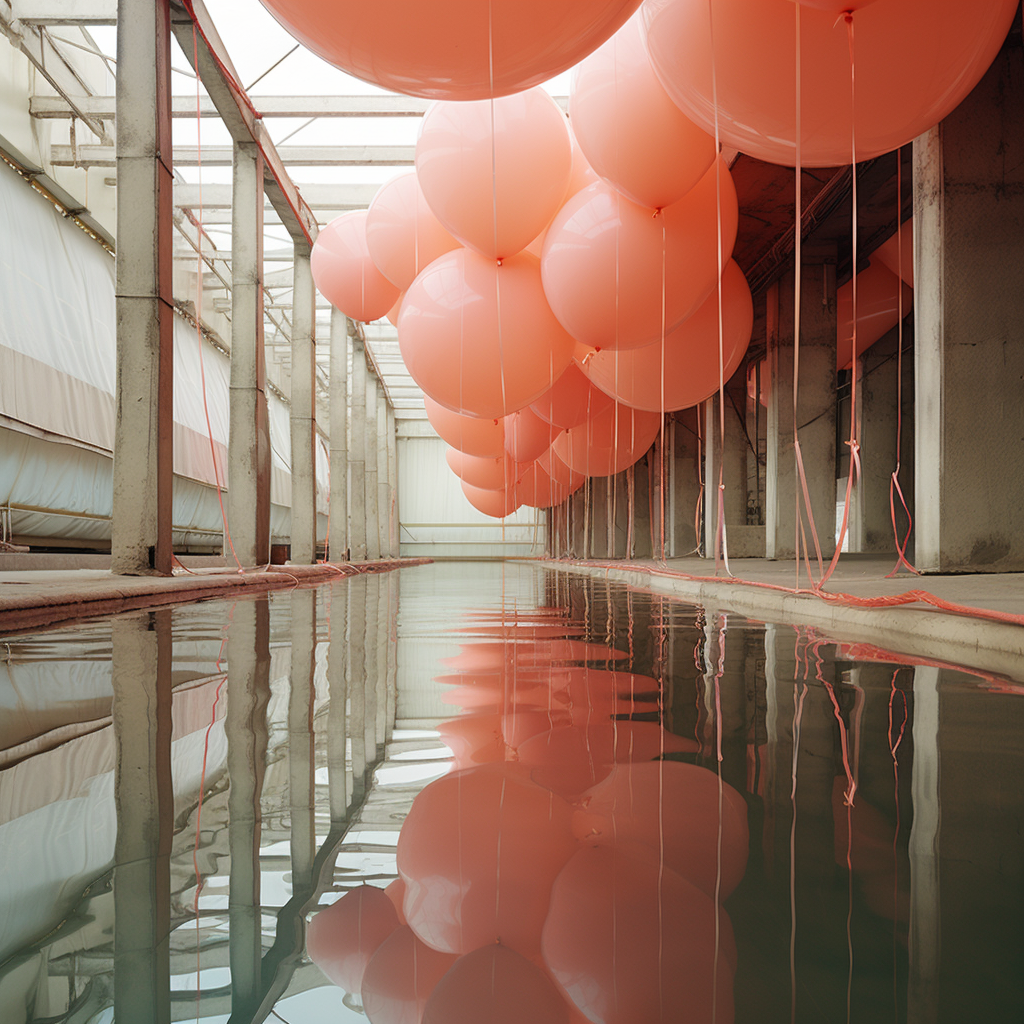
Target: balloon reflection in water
x=564 y=871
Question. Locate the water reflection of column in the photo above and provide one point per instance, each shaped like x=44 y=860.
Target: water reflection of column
x=725 y=663
x=357 y=682
x=144 y=798
x=391 y=651
x=245 y=724
x=374 y=714
x=338 y=783
x=925 y=910
x=300 y=737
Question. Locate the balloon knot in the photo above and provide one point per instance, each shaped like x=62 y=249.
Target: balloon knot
x=500 y=262
x=846 y=16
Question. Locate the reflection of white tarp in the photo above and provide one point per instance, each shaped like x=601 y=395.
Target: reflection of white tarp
x=57 y=368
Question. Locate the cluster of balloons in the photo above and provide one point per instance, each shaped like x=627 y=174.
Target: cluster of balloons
x=562 y=872
x=556 y=289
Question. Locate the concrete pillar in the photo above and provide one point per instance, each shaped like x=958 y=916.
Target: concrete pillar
x=143 y=449
x=303 y=413
x=248 y=468
x=245 y=724
x=969 y=307
x=370 y=459
x=925 y=939
x=815 y=410
x=877 y=415
x=300 y=737
x=357 y=454
x=338 y=541
x=732 y=452
x=383 y=484
x=338 y=781
x=685 y=456
x=394 y=539
x=356 y=668
x=144 y=799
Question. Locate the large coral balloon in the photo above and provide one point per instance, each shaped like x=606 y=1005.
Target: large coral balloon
x=749 y=77
x=632 y=942
x=491 y=474
x=678 y=810
x=527 y=436
x=480 y=338
x=608 y=443
x=571 y=400
x=495 y=172
x=617 y=275
x=496 y=503
x=478 y=852
x=402 y=233
x=345 y=273
x=632 y=133
x=468 y=434
x=685 y=370
x=343 y=937
x=452 y=49
x=400 y=977
x=497 y=985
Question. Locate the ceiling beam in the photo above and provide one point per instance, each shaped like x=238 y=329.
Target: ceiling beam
x=203 y=48
x=222 y=156
x=314 y=197
x=61 y=12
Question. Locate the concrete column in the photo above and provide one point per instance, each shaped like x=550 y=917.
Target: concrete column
x=877 y=413
x=143 y=449
x=733 y=453
x=248 y=468
x=815 y=410
x=300 y=737
x=303 y=413
x=370 y=459
x=394 y=546
x=925 y=907
x=356 y=667
x=245 y=724
x=338 y=782
x=357 y=454
x=383 y=483
x=686 y=470
x=338 y=541
x=969 y=307
x=144 y=799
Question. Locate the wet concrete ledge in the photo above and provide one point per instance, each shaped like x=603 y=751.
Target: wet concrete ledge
x=30 y=599
x=915 y=630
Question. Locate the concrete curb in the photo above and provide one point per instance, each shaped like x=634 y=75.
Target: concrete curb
x=925 y=633
x=107 y=596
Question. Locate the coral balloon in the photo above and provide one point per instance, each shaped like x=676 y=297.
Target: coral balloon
x=633 y=943
x=495 y=173
x=345 y=273
x=488 y=474
x=560 y=472
x=402 y=233
x=527 y=436
x=343 y=937
x=392 y=313
x=901 y=90
x=493 y=503
x=878 y=310
x=835 y=7
x=395 y=891
x=452 y=49
x=632 y=133
x=685 y=370
x=609 y=443
x=474 y=738
x=537 y=490
x=400 y=977
x=606 y=258
x=465 y=355
x=570 y=759
x=672 y=807
x=497 y=985
x=571 y=400
x=469 y=434
x=478 y=852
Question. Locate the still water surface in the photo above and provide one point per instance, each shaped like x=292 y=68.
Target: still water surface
x=613 y=807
